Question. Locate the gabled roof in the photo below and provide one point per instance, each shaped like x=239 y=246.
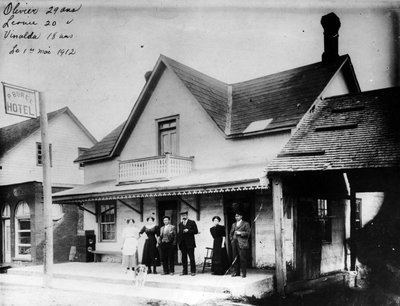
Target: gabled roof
x=209 y=92
x=262 y=105
x=355 y=131
x=103 y=148
x=13 y=134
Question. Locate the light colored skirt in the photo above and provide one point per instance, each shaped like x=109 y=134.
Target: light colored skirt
x=130 y=246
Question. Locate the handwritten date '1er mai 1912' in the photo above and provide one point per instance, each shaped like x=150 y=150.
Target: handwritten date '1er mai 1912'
x=60 y=52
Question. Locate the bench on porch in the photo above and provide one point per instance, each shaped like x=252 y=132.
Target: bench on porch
x=4 y=268
x=99 y=253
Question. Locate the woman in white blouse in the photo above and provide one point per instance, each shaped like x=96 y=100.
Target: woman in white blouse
x=130 y=237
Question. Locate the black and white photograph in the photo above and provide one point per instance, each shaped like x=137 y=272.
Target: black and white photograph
x=200 y=152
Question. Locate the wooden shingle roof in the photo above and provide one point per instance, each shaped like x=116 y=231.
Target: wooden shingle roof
x=209 y=92
x=355 y=131
x=103 y=148
x=13 y=134
x=283 y=97
x=265 y=104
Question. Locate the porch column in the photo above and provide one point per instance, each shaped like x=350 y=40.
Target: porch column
x=280 y=262
x=353 y=246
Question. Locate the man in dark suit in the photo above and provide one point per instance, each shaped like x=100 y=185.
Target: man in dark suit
x=239 y=235
x=167 y=241
x=187 y=230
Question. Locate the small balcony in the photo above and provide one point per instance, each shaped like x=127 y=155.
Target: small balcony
x=155 y=168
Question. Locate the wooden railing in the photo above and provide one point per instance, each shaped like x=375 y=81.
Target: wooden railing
x=154 y=168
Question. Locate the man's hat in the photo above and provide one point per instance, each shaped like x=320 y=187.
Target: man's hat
x=169 y=218
x=184 y=213
x=239 y=212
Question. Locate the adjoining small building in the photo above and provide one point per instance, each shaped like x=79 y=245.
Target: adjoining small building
x=195 y=143
x=21 y=191
x=338 y=174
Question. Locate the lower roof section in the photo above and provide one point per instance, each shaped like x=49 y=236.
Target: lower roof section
x=237 y=178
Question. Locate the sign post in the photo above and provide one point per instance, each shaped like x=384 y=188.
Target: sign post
x=21 y=101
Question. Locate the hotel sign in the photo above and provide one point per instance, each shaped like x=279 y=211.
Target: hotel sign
x=20 y=101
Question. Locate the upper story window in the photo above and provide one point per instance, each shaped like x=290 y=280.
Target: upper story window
x=39 y=154
x=80 y=152
x=324 y=218
x=168 y=135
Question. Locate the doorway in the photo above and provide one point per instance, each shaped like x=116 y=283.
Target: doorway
x=169 y=208
x=309 y=241
x=245 y=203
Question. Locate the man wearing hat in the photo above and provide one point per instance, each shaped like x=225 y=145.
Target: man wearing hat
x=239 y=235
x=167 y=241
x=186 y=231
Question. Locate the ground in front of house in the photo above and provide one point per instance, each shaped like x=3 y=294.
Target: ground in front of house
x=38 y=296
x=109 y=279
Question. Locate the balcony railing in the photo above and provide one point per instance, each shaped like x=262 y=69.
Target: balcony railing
x=154 y=168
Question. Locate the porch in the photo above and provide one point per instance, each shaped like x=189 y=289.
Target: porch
x=187 y=289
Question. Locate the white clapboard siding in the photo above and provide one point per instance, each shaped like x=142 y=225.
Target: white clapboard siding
x=19 y=164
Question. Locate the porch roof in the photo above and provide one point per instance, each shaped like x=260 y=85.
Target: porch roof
x=237 y=178
x=354 y=131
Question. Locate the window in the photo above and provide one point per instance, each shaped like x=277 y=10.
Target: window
x=358 y=214
x=23 y=230
x=80 y=152
x=5 y=214
x=168 y=135
x=107 y=222
x=324 y=218
x=39 y=154
x=57 y=211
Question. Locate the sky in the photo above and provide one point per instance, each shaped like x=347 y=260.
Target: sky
x=114 y=44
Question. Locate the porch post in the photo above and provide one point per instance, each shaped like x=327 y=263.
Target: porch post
x=280 y=262
x=353 y=246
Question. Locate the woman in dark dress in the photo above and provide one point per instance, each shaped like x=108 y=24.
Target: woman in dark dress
x=150 y=256
x=220 y=258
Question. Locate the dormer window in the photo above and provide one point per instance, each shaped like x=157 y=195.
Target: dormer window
x=168 y=135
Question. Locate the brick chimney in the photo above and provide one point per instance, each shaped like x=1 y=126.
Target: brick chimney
x=331 y=25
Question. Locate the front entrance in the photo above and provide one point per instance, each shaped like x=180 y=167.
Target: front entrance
x=309 y=241
x=6 y=243
x=169 y=208
x=245 y=203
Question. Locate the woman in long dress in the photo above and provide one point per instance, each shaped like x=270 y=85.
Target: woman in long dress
x=130 y=236
x=219 y=258
x=151 y=257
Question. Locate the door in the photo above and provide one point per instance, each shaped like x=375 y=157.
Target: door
x=309 y=241
x=230 y=208
x=169 y=208
x=6 y=243
x=168 y=137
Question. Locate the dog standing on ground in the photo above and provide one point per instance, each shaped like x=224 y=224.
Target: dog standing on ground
x=140 y=275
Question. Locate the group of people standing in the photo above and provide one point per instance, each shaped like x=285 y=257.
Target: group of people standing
x=160 y=245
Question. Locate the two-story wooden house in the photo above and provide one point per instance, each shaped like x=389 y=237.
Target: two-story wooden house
x=194 y=143
x=21 y=192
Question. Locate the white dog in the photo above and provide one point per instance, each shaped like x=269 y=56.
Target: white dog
x=140 y=275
